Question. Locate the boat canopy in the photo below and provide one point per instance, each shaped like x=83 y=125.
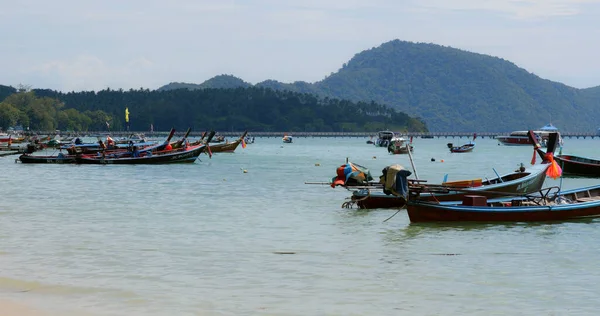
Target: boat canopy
x=549 y=128
x=386 y=134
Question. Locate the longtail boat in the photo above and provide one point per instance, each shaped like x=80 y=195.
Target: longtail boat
x=181 y=155
x=55 y=159
x=160 y=155
x=73 y=156
x=526 y=181
x=227 y=147
x=548 y=205
x=578 y=166
x=573 y=165
x=463 y=148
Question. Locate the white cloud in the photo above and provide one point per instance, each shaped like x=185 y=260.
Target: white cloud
x=85 y=72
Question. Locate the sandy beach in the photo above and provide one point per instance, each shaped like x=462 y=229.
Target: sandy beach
x=12 y=308
x=18 y=308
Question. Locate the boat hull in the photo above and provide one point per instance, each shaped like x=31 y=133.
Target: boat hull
x=26 y=158
x=514 y=140
x=578 y=166
x=463 y=149
x=184 y=156
x=225 y=148
x=420 y=212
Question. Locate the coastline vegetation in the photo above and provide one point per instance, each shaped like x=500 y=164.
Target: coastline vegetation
x=252 y=109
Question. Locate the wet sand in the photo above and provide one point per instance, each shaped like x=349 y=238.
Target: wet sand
x=12 y=308
x=9 y=307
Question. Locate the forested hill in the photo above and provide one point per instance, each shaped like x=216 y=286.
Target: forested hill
x=455 y=90
x=252 y=109
x=6 y=91
x=217 y=82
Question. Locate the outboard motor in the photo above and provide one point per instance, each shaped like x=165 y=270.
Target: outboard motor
x=450 y=145
x=30 y=148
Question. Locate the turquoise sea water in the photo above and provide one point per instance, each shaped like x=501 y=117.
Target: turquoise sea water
x=206 y=238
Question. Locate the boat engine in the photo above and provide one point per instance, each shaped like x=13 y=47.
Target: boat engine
x=450 y=145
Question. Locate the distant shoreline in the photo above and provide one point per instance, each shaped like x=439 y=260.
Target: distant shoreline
x=306 y=134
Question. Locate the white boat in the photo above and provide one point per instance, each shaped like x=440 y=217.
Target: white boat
x=287 y=139
x=384 y=138
x=397 y=146
x=518 y=138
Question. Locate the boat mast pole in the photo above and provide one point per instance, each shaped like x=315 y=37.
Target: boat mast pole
x=411 y=161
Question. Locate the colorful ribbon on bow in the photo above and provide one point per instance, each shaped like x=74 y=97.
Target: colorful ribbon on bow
x=554 y=171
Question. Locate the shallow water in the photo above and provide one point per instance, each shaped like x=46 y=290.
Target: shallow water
x=209 y=239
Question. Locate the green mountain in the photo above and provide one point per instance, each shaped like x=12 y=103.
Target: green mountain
x=217 y=82
x=454 y=90
x=6 y=91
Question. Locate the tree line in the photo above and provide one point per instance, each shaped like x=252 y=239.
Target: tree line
x=252 y=109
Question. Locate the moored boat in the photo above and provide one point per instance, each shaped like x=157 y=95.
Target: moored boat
x=461 y=149
x=525 y=180
x=229 y=147
x=518 y=138
x=159 y=154
x=578 y=166
x=11 y=139
x=464 y=148
x=398 y=146
x=53 y=159
x=181 y=155
x=384 y=138
x=549 y=204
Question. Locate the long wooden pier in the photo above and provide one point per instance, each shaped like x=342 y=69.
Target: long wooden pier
x=231 y=134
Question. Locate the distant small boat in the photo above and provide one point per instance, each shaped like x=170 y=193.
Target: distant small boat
x=464 y=148
x=287 y=139
x=518 y=138
x=399 y=146
x=461 y=149
x=384 y=138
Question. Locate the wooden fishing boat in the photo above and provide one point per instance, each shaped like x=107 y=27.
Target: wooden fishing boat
x=182 y=155
x=520 y=181
x=110 y=155
x=578 y=166
x=11 y=139
x=464 y=148
x=160 y=154
x=54 y=159
x=461 y=149
x=228 y=147
x=547 y=205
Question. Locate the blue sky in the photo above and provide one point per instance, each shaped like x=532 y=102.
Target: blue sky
x=79 y=45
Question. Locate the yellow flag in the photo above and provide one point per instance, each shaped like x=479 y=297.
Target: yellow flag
x=126 y=115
